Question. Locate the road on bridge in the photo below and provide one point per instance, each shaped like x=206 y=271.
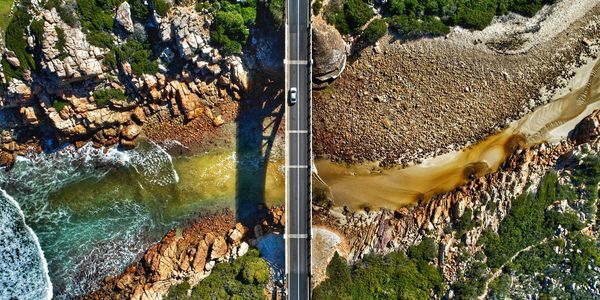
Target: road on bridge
x=298 y=149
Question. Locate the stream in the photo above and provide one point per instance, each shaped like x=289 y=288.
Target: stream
x=366 y=185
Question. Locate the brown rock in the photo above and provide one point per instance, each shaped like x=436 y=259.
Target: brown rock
x=6 y=159
x=139 y=115
x=131 y=132
x=200 y=256
x=219 y=249
x=127 y=144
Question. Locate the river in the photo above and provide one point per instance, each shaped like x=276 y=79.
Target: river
x=367 y=185
x=94 y=212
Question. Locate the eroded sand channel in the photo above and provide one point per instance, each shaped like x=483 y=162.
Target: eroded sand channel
x=358 y=187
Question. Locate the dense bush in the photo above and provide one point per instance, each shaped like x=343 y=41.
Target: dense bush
x=139 y=10
x=424 y=17
x=161 y=7
x=230 y=32
x=394 y=276
x=178 y=292
x=103 y=96
x=276 y=11
x=374 y=31
x=139 y=56
x=244 y=278
x=97 y=21
x=349 y=17
x=15 y=40
x=413 y=27
x=316 y=7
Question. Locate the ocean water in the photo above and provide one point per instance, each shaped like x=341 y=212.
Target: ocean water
x=94 y=211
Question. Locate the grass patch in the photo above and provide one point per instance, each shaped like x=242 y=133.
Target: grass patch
x=5 y=6
x=59 y=105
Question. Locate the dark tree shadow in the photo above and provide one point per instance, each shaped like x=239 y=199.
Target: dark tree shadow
x=260 y=115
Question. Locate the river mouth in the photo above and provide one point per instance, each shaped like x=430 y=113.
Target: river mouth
x=95 y=212
x=368 y=186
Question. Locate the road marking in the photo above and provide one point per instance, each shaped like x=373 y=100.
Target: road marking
x=298 y=131
x=296 y=236
x=298 y=167
x=297 y=62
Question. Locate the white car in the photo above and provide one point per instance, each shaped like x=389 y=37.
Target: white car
x=293 y=95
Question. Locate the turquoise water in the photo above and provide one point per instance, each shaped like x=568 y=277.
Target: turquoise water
x=95 y=212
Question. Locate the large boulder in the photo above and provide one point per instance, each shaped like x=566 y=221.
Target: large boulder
x=329 y=52
x=77 y=60
x=123 y=17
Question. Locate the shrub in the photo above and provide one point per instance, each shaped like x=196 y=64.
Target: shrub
x=15 y=40
x=103 y=96
x=60 y=42
x=59 y=105
x=276 y=10
x=229 y=32
x=139 y=10
x=244 y=278
x=426 y=250
x=357 y=13
x=316 y=7
x=161 y=7
x=413 y=27
x=139 y=57
x=178 y=292
x=374 y=31
x=394 y=276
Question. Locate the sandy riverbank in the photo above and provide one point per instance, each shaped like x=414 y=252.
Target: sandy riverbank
x=406 y=101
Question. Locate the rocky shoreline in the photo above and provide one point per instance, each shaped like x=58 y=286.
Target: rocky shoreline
x=189 y=254
x=488 y=198
x=441 y=95
x=45 y=112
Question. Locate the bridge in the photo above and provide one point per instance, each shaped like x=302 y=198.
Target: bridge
x=298 y=149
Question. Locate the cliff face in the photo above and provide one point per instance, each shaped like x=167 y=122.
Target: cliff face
x=63 y=100
x=188 y=254
x=488 y=198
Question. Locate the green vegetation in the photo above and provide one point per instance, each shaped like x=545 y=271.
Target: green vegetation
x=230 y=28
x=465 y=223
x=276 y=10
x=350 y=16
x=412 y=27
x=16 y=41
x=103 y=96
x=97 y=21
x=59 y=104
x=316 y=7
x=179 y=291
x=244 y=278
x=394 y=276
x=65 y=12
x=161 y=7
x=138 y=56
x=5 y=6
x=414 y=18
x=139 y=10
x=554 y=264
x=528 y=223
x=61 y=42
x=374 y=31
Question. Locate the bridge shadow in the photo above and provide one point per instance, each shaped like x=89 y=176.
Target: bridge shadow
x=260 y=115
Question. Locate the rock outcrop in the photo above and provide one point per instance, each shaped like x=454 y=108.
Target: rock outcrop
x=77 y=60
x=329 y=51
x=383 y=231
x=123 y=17
x=188 y=254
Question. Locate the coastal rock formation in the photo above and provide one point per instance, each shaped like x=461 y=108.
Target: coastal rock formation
x=188 y=254
x=123 y=17
x=329 y=51
x=489 y=198
x=77 y=60
x=189 y=31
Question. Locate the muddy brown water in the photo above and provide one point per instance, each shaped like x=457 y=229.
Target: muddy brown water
x=366 y=185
